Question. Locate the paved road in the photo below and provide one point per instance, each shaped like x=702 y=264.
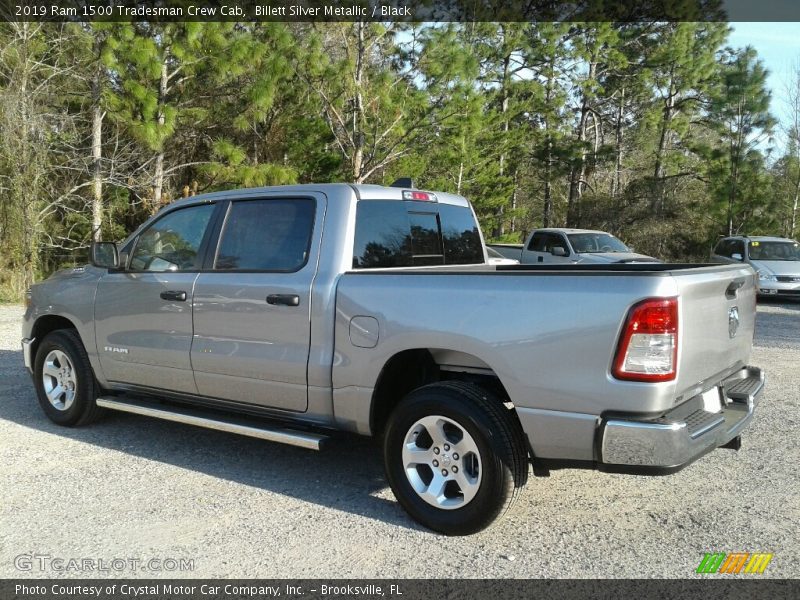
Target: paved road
x=132 y=487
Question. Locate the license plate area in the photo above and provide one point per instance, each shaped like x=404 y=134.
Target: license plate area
x=712 y=400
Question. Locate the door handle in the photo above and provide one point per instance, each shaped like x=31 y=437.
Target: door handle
x=174 y=296
x=285 y=299
x=733 y=288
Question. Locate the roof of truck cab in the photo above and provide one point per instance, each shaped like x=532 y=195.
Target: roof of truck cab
x=362 y=191
x=569 y=230
x=760 y=238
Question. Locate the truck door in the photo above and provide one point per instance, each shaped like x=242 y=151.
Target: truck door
x=725 y=250
x=143 y=313
x=540 y=249
x=252 y=309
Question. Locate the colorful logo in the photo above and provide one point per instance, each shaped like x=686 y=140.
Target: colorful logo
x=734 y=563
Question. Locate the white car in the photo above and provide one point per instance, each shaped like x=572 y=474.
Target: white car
x=775 y=259
x=571 y=247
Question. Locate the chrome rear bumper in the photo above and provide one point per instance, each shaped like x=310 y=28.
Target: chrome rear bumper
x=677 y=438
x=27 y=353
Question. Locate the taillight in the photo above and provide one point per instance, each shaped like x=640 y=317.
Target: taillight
x=648 y=346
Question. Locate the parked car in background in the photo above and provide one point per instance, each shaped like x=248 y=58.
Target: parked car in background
x=775 y=259
x=571 y=246
x=495 y=258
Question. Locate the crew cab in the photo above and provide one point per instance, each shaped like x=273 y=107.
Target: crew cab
x=287 y=313
x=569 y=247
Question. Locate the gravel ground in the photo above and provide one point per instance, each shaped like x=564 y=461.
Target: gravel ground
x=133 y=487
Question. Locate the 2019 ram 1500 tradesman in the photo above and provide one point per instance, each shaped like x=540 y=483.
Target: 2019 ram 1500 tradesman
x=286 y=312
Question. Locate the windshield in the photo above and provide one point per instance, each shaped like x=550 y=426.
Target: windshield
x=788 y=250
x=596 y=242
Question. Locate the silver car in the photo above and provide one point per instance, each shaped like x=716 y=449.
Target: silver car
x=775 y=259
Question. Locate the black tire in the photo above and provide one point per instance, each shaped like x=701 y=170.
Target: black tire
x=83 y=409
x=496 y=433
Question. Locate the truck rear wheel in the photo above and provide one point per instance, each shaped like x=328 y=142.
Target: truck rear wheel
x=64 y=379
x=454 y=456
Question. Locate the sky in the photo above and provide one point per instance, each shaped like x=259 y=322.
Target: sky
x=778 y=46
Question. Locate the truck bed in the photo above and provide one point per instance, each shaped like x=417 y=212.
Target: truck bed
x=548 y=332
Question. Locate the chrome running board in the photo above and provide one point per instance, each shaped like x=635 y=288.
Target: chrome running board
x=188 y=416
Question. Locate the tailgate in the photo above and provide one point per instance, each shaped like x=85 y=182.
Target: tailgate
x=717 y=321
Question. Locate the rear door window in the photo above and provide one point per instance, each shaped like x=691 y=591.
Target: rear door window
x=266 y=235
x=538 y=242
x=546 y=241
x=395 y=233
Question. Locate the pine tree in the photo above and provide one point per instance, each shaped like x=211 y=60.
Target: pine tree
x=682 y=64
x=253 y=84
x=362 y=78
x=157 y=67
x=741 y=116
x=547 y=56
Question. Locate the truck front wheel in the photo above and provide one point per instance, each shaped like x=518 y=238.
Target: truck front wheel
x=454 y=457
x=64 y=379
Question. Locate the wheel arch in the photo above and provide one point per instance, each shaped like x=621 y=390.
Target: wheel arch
x=46 y=324
x=410 y=369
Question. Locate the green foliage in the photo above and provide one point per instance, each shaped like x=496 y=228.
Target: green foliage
x=653 y=131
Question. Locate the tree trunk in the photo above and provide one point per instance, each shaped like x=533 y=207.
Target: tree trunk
x=97 y=140
x=158 y=181
x=547 y=213
x=504 y=95
x=793 y=220
x=578 y=173
x=29 y=251
x=514 y=202
x=358 y=109
x=158 y=176
x=663 y=142
x=616 y=182
x=732 y=195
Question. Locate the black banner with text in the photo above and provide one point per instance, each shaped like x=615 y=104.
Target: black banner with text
x=414 y=589
x=399 y=10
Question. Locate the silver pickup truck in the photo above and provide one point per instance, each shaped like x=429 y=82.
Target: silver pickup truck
x=286 y=313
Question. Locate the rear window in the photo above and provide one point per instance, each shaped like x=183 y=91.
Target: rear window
x=392 y=233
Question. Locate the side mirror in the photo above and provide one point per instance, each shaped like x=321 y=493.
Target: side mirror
x=104 y=255
x=737 y=256
x=558 y=251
